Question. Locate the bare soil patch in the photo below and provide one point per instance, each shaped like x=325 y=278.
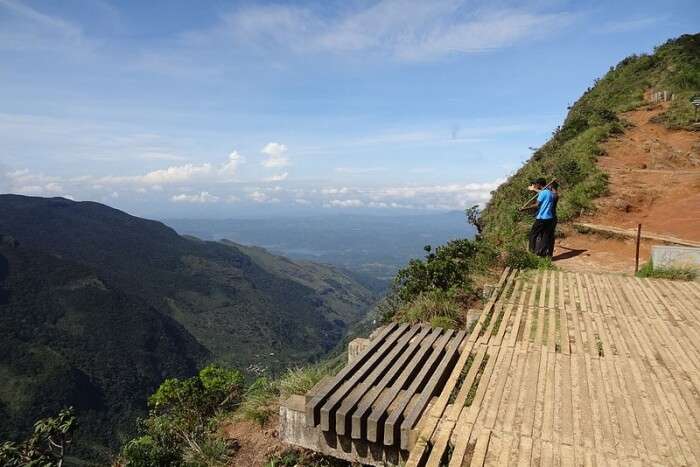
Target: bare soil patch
x=654 y=179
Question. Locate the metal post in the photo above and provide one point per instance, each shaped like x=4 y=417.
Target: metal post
x=636 y=256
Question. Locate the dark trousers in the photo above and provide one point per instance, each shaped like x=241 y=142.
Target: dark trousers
x=542 y=237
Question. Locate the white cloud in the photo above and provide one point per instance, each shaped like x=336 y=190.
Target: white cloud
x=359 y=170
x=302 y=201
x=276 y=155
x=24 y=27
x=180 y=174
x=230 y=167
x=202 y=197
x=334 y=191
x=404 y=29
x=345 y=203
x=261 y=197
x=630 y=24
x=175 y=174
x=277 y=177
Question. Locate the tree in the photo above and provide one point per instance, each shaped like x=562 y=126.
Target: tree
x=474 y=218
x=46 y=447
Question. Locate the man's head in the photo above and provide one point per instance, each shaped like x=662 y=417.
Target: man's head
x=537 y=184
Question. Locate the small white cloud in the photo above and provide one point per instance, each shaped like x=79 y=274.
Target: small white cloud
x=260 y=197
x=230 y=167
x=276 y=155
x=359 y=170
x=202 y=197
x=53 y=188
x=346 y=203
x=334 y=191
x=278 y=177
x=302 y=201
x=232 y=199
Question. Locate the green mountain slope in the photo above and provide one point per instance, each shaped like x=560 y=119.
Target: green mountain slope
x=571 y=154
x=98 y=307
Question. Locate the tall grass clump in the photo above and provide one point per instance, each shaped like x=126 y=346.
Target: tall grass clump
x=260 y=401
x=437 y=307
x=301 y=379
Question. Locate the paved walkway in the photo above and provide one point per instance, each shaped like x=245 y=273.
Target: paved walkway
x=573 y=369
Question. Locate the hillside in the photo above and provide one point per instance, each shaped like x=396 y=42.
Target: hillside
x=98 y=307
x=615 y=147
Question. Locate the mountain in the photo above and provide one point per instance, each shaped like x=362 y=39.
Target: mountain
x=97 y=307
x=579 y=153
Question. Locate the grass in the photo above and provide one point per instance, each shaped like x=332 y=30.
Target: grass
x=301 y=379
x=436 y=307
x=472 y=390
x=260 y=401
x=671 y=273
x=460 y=380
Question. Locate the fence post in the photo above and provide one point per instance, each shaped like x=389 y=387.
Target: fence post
x=636 y=256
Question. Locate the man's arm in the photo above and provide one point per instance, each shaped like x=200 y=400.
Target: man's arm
x=535 y=202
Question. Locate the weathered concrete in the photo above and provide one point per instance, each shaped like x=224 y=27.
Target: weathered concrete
x=356 y=347
x=472 y=317
x=294 y=430
x=675 y=256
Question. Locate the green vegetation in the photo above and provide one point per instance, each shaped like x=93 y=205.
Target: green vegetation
x=570 y=155
x=293 y=458
x=182 y=423
x=672 y=273
x=98 y=307
x=439 y=288
x=428 y=290
x=183 y=426
x=48 y=444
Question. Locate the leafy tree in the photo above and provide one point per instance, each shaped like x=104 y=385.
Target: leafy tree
x=474 y=218
x=46 y=447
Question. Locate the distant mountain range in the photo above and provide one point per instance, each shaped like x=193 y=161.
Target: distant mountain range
x=97 y=307
x=371 y=244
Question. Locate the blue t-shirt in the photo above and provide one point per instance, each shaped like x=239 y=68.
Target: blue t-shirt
x=545 y=205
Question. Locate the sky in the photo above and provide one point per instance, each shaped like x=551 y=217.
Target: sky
x=238 y=109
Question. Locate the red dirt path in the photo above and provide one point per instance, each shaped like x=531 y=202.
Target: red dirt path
x=654 y=179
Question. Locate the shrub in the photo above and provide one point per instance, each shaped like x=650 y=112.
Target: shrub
x=672 y=273
x=449 y=266
x=437 y=307
x=518 y=258
x=181 y=423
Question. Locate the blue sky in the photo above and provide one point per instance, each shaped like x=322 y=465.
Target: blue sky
x=224 y=109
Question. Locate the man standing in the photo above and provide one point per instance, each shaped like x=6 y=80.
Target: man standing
x=542 y=232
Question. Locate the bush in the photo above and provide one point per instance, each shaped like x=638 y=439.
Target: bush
x=448 y=267
x=182 y=420
x=437 y=307
x=518 y=258
x=678 y=274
